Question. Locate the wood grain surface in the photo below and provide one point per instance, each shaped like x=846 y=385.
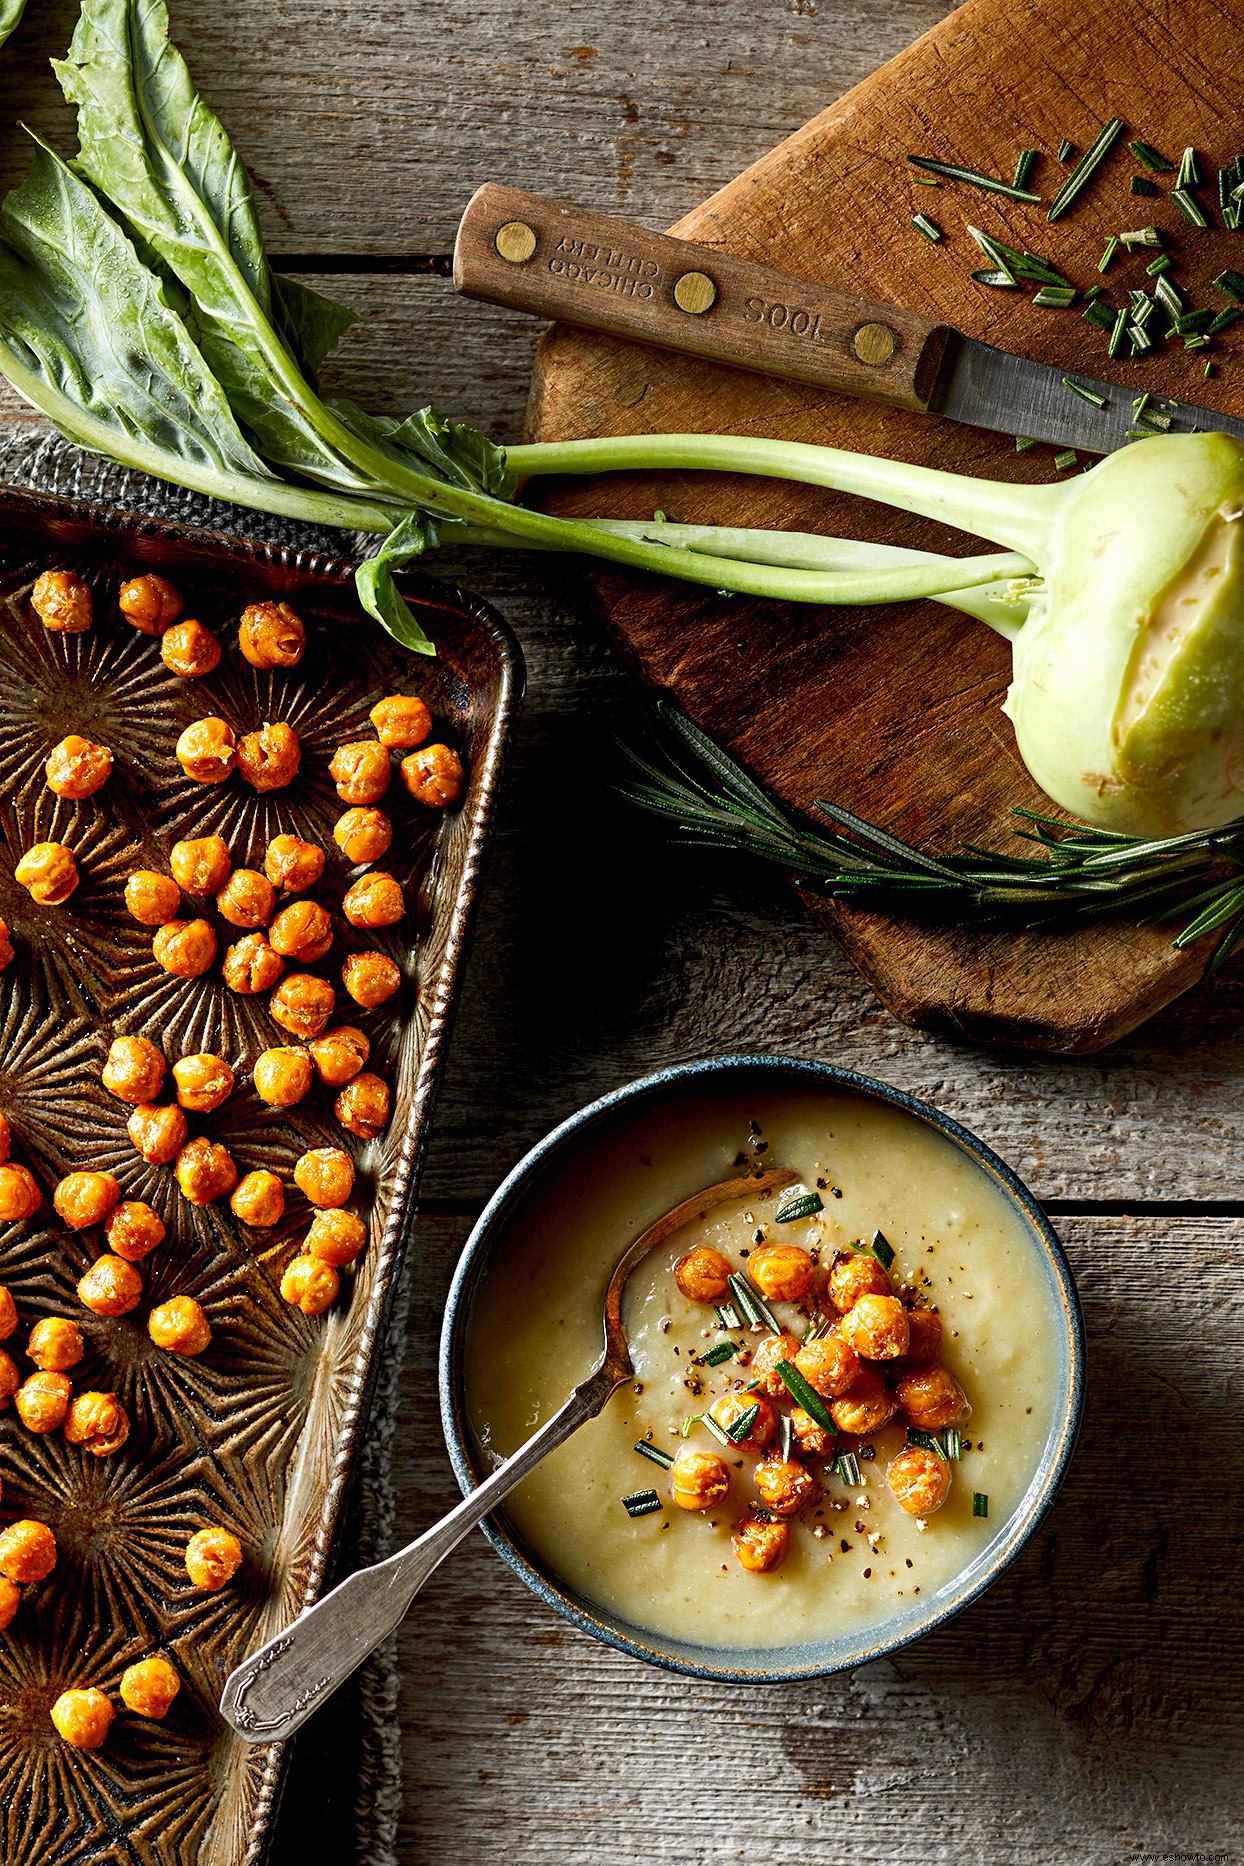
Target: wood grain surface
x=1086 y=1712
x=895 y=713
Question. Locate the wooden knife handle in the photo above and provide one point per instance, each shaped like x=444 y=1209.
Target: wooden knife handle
x=532 y=254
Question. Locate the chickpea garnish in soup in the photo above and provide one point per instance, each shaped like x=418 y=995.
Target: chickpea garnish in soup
x=920 y=1480
x=270 y=634
x=782 y=1272
x=434 y=776
x=48 y=872
x=699 y=1480
x=760 y=1543
x=190 y=650
x=62 y=601
x=152 y=604
x=77 y=767
x=207 y=751
x=876 y=1327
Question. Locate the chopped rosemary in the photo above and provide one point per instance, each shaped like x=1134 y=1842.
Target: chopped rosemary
x=1189 y=207
x=752 y=1305
x=1232 y=283
x=923 y=224
x=1118 y=336
x=1025 y=162
x=882 y=1249
x=1019 y=265
x=1086 y=395
x=805 y=1396
x=642 y=1503
x=728 y=1315
x=647 y=1449
x=716 y=1431
x=980 y=1503
x=952 y=172
x=1157 y=266
x=954 y=1443
x=1189 y=175
x=1111 y=248
x=926 y=181
x=717 y=1356
x=1198 y=341
x=1141 y=184
x=1141 y=340
x=1193 y=323
x=1055 y=297
x=1141 y=236
x=1023 y=442
x=999 y=278
x=786 y=1435
x=802 y=1207
x=926 y=1440
x=846 y=1468
x=1066 y=149
x=1085 y=169
x=738 y=1428
x=1065 y=460
x=1226 y=182
x=1168 y=294
x=1223 y=320
x=1209 y=369
x=1094 y=291
x=1149 y=158
x=1100 y=314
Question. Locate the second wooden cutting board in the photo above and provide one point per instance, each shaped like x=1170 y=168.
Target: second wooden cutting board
x=895 y=712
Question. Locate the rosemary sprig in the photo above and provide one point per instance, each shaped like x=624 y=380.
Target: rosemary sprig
x=1080 y=875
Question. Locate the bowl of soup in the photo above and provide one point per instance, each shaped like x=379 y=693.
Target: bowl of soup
x=854 y=1396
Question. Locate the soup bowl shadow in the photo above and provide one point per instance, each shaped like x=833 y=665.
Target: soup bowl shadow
x=822 y=1656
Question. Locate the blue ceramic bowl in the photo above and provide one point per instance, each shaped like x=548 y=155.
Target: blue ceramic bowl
x=815 y=1658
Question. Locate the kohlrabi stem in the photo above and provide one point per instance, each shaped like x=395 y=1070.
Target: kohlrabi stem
x=1018 y=516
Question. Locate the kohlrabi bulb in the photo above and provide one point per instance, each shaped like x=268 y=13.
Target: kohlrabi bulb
x=1128 y=689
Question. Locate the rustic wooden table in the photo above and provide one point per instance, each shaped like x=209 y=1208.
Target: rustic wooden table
x=1087 y=1709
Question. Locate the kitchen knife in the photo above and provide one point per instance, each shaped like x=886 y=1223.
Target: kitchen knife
x=532 y=254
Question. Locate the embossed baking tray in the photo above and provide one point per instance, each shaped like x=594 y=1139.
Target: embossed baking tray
x=259 y=1434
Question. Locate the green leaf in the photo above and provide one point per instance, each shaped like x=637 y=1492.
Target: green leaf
x=456 y=454
x=311 y=324
x=380 y=595
x=10 y=17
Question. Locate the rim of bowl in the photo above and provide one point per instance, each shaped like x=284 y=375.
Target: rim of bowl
x=614 y=1631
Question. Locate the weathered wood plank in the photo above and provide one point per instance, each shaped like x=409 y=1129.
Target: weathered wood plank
x=1085 y=1709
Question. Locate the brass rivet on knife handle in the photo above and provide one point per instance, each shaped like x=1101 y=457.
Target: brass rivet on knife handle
x=560 y=261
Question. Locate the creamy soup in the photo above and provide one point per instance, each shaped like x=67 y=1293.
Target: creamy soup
x=855 y=1556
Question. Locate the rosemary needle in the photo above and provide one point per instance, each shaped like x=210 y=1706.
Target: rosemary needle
x=953 y=173
x=1085 y=169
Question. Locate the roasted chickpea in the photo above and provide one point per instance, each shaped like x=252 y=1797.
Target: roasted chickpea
x=186 y=948
x=20 y=1197
x=402 y=721
x=8 y=1308
x=434 y=776
x=360 y=771
x=179 y=1326
x=200 y=866
x=269 y=759
x=204 y=1082
x=303 y=931
x=10 y=1378
x=339 y=1054
x=83 y=1199
x=271 y=635
x=919 y=1479
x=760 y=1545
x=99 y=1422
x=855 y=1275
x=375 y=900
x=727 y=1408
x=83 y=1718
x=42 y=1401
x=310 y=1285
x=876 y=1327
x=148 y=1688
x=293 y=864
x=62 y=601
x=282 y=1076
x=7 y=955
x=48 y=872
x=77 y=767
x=258 y=1200
x=782 y=1272
x=151 y=603
x=247 y=899
x=27 y=1552
x=213 y=1557
x=190 y=650
x=784 y=1484
x=111 y=1287
x=703 y=1275
x=207 y=751
x=151 y=898
x=363 y=1107
x=773 y=1348
x=10 y=1601
x=370 y=978
x=133 y=1230
x=158 y=1134
x=55 y=1344
x=866 y=1407
x=205 y=1170
x=134 y=1070
x=363 y=835
x=812 y=1439
x=924 y=1328
x=325 y=1176
x=302 y=1004
x=931 y=1397
x=335 y=1237
x=699 y=1480
x=251 y=966
x=829 y=1365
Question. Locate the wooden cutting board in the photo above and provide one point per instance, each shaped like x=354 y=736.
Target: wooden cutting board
x=895 y=712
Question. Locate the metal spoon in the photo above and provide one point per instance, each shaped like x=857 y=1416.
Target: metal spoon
x=273 y=1691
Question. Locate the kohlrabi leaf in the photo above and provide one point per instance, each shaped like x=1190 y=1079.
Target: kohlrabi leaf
x=10 y=17
x=311 y=324
x=380 y=595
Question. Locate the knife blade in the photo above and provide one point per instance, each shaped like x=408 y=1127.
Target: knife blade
x=557 y=261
